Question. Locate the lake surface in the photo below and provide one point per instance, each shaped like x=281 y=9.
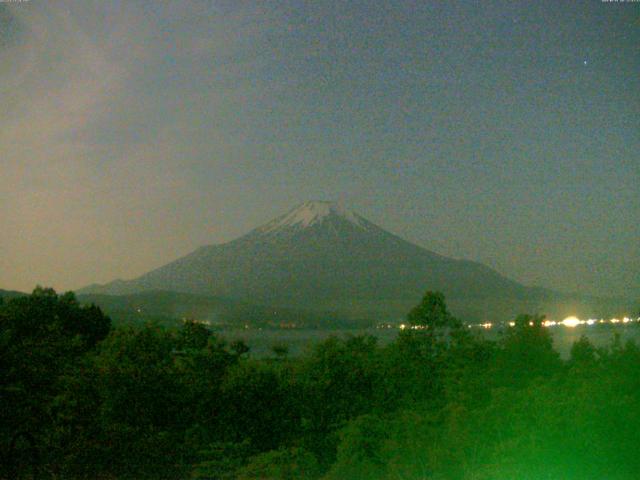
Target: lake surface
x=299 y=340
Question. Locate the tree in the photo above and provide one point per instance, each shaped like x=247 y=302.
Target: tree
x=340 y=380
x=44 y=315
x=193 y=335
x=140 y=421
x=361 y=452
x=221 y=460
x=280 y=350
x=44 y=337
x=583 y=353
x=526 y=351
x=283 y=464
x=257 y=404
x=417 y=358
x=432 y=312
x=239 y=347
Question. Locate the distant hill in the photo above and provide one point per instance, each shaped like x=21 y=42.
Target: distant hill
x=8 y=294
x=322 y=257
x=172 y=307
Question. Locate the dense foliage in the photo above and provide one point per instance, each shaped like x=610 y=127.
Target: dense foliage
x=79 y=399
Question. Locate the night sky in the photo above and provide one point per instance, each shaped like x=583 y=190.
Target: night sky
x=499 y=131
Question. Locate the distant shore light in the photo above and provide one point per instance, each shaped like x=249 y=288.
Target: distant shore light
x=571 y=322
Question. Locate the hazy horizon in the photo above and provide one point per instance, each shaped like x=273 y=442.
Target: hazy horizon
x=504 y=133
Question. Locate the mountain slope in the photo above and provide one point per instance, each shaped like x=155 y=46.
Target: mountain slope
x=323 y=257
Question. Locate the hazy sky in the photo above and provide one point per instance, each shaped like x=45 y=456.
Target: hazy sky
x=500 y=131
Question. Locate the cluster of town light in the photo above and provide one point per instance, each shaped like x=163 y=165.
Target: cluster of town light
x=404 y=326
x=570 y=322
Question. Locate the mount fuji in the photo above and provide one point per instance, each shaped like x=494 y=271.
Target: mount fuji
x=323 y=257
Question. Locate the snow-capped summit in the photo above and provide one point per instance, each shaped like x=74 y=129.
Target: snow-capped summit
x=311 y=213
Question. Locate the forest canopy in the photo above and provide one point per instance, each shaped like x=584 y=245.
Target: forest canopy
x=81 y=399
